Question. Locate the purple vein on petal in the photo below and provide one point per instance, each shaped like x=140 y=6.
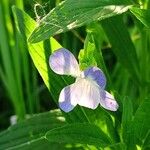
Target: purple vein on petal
x=87 y=93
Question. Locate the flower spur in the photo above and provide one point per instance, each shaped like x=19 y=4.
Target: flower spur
x=88 y=89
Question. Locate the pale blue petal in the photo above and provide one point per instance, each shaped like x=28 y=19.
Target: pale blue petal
x=87 y=93
x=97 y=75
x=63 y=62
x=108 y=102
x=67 y=99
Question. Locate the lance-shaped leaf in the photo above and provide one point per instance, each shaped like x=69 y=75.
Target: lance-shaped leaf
x=126 y=118
x=31 y=131
x=79 y=133
x=122 y=44
x=75 y=13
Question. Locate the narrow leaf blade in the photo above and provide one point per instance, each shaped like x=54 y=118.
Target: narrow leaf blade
x=122 y=45
x=126 y=118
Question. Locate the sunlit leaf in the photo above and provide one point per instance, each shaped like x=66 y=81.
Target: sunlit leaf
x=86 y=55
x=72 y=14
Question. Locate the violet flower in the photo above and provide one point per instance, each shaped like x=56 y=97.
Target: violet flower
x=88 y=89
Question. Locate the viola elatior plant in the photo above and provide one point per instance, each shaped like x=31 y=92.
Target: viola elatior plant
x=88 y=89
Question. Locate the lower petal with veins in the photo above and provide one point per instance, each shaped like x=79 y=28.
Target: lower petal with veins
x=87 y=93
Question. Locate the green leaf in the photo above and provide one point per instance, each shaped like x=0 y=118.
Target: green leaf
x=72 y=14
x=31 y=131
x=142 y=14
x=86 y=55
x=79 y=133
x=122 y=45
x=127 y=117
x=139 y=129
x=141 y=123
x=40 y=57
